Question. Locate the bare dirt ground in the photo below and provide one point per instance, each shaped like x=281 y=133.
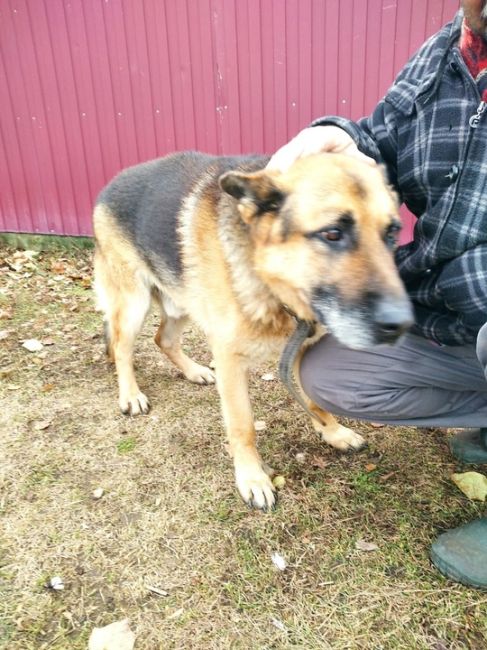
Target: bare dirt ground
x=170 y=517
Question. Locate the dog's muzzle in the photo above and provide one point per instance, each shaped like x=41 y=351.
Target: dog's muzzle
x=392 y=318
x=373 y=320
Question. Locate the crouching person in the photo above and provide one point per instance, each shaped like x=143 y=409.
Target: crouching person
x=430 y=131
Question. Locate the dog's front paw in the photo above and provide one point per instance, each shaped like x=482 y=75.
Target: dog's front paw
x=255 y=486
x=341 y=437
x=134 y=404
x=201 y=375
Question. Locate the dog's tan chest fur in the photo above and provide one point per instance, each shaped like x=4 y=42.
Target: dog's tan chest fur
x=223 y=293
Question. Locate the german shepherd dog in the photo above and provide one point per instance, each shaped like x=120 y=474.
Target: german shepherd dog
x=237 y=248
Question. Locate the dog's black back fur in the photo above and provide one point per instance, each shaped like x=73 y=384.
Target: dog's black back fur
x=147 y=198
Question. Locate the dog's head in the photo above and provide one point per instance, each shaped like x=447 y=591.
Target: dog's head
x=324 y=234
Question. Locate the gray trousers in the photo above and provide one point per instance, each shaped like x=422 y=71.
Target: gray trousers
x=415 y=382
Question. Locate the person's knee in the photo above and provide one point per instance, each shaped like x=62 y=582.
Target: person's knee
x=325 y=380
x=461 y=285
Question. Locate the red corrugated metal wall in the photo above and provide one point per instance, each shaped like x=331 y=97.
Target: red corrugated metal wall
x=90 y=86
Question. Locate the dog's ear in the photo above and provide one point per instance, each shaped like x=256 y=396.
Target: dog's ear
x=256 y=193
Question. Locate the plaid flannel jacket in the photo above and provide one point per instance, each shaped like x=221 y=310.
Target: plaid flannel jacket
x=430 y=130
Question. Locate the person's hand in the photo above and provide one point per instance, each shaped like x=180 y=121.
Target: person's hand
x=316 y=139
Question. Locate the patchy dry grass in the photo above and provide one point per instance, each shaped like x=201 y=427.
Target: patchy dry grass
x=170 y=517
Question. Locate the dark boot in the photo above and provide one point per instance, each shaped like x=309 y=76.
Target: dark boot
x=470 y=446
x=461 y=554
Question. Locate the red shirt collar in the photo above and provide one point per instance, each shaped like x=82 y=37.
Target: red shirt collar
x=473 y=49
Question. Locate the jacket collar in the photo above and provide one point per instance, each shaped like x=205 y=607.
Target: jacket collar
x=456 y=28
x=449 y=37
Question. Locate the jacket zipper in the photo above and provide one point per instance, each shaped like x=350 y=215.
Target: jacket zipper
x=474 y=121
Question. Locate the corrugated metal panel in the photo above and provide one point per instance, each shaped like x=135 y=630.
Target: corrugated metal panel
x=88 y=87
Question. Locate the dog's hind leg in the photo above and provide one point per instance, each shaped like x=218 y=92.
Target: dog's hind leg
x=125 y=300
x=126 y=322
x=168 y=338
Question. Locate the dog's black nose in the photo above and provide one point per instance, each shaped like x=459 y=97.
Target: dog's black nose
x=392 y=318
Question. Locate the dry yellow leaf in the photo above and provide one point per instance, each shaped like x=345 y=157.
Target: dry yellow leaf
x=472 y=484
x=279 y=482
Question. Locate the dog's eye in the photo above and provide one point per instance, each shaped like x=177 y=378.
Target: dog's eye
x=329 y=235
x=272 y=206
x=334 y=234
x=339 y=236
x=392 y=235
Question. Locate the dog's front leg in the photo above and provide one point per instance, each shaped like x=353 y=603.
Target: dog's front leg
x=334 y=433
x=251 y=474
x=324 y=423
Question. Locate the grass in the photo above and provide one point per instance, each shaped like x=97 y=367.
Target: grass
x=126 y=445
x=57 y=243
x=170 y=517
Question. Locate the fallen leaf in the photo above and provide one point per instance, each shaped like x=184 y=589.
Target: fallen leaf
x=279 y=482
x=98 y=493
x=33 y=345
x=279 y=561
x=268 y=376
x=472 y=484
x=386 y=477
x=55 y=583
x=58 y=266
x=362 y=545
x=116 y=636
x=370 y=467
x=318 y=461
x=28 y=254
x=40 y=425
x=46 y=388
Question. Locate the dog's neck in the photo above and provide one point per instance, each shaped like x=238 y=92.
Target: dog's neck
x=256 y=300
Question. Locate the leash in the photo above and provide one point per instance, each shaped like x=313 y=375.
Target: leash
x=304 y=329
